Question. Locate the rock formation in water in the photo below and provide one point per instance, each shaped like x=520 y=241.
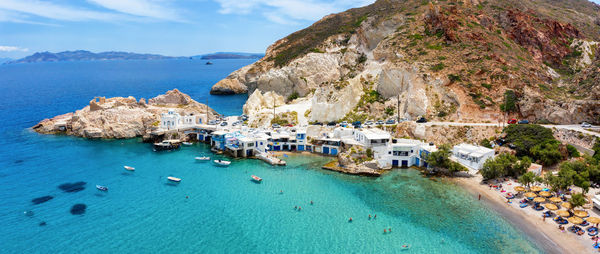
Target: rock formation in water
x=121 y=117
x=460 y=60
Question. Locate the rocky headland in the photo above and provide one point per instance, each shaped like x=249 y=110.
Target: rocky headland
x=459 y=60
x=121 y=117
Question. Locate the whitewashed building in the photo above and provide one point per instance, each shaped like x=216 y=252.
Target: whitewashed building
x=173 y=120
x=372 y=137
x=404 y=153
x=470 y=156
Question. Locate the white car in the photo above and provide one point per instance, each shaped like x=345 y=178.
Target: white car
x=586 y=125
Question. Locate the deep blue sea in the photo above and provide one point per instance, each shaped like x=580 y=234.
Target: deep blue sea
x=213 y=209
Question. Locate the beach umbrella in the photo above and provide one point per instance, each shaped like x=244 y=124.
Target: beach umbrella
x=555 y=199
x=575 y=220
x=593 y=220
x=535 y=188
x=566 y=205
x=545 y=194
x=581 y=213
x=562 y=213
x=551 y=207
x=519 y=188
x=539 y=200
x=530 y=195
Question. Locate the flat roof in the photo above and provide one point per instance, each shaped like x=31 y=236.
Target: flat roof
x=375 y=133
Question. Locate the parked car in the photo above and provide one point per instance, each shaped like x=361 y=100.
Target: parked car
x=275 y=126
x=332 y=123
x=357 y=124
x=380 y=122
x=369 y=123
x=344 y=124
x=390 y=121
x=244 y=117
x=512 y=121
x=524 y=121
x=512 y=146
x=421 y=120
x=586 y=125
x=290 y=125
x=317 y=123
x=212 y=122
x=224 y=124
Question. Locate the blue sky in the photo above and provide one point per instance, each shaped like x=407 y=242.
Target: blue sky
x=169 y=27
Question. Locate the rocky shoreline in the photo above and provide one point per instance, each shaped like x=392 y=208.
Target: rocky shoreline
x=121 y=117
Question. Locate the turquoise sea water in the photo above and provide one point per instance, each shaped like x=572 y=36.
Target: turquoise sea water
x=213 y=209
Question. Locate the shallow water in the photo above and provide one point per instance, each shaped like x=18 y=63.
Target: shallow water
x=213 y=209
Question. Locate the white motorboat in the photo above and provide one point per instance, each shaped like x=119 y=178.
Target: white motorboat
x=129 y=168
x=102 y=188
x=174 y=179
x=256 y=178
x=187 y=143
x=222 y=162
x=202 y=158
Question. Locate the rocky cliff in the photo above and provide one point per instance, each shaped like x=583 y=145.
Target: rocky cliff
x=121 y=117
x=460 y=60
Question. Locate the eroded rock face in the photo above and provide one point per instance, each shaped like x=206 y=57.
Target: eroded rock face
x=121 y=117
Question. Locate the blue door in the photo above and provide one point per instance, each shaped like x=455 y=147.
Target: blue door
x=326 y=150
x=333 y=151
x=404 y=163
x=394 y=163
x=300 y=147
x=417 y=161
x=276 y=148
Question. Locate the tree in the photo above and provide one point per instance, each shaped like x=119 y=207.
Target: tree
x=526 y=136
x=596 y=149
x=547 y=153
x=440 y=160
x=510 y=101
x=577 y=200
x=578 y=173
x=519 y=168
x=505 y=164
x=485 y=143
x=527 y=178
x=573 y=153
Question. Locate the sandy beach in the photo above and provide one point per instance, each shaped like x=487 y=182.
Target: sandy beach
x=545 y=233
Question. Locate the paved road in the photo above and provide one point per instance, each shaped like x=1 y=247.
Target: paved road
x=574 y=127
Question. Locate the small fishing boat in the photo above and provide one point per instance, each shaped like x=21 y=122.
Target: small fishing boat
x=202 y=158
x=222 y=162
x=129 y=168
x=256 y=178
x=187 y=143
x=102 y=188
x=174 y=179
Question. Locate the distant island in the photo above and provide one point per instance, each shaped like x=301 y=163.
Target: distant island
x=84 y=55
x=230 y=55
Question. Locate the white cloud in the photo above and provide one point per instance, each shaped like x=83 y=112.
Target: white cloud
x=288 y=11
x=12 y=48
x=158 y=9
x=52 y=11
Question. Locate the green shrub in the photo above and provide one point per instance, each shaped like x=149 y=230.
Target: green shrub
x=486 y=85
x=527 y=136
x=573 y=153
x=547 y=153
x=389 y=110
x=510 y=101
x=438 y=67
x=454 y=77
x=316 y=50
x=293 y=96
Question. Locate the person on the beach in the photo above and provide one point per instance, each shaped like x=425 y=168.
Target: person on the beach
x=375 y=217
x=311 y=202
x=350 y=220
x=384 y=231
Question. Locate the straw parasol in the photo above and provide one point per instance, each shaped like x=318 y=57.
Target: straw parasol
x=593 y=220
x=519 y=188
x=581 y=213
x=566 y=205
x=539 y=200
x=536 y=188
x=551 y=207
x=562 y=213
x=555 y=199
x=575 y=220
x=530 y=195
x=545 y=194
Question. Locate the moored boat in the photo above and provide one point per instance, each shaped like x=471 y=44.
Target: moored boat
x=202 y=158
x=102 y=188
x=167 y=145
x=174 y=179
x=129 y=168
x=187 y=143
x=222 y=162
x=256 y=178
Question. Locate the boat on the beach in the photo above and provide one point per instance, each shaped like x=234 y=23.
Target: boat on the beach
x=174 y=179
x=202 y=158
x=129 y=168
x=256 y=178
x=102 y=188
x=222 y=162
x=187 y=143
